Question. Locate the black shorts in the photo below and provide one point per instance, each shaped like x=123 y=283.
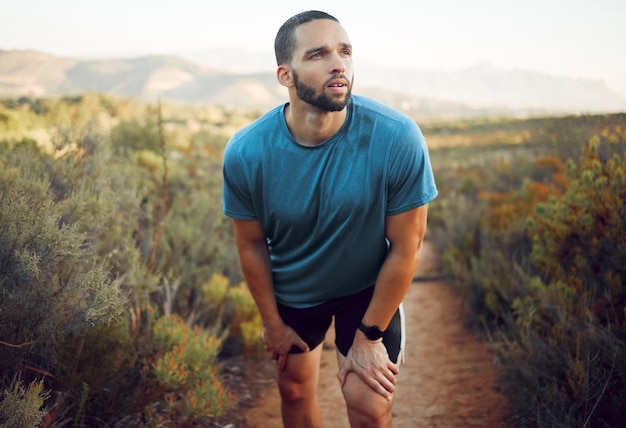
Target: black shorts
x=311 y=324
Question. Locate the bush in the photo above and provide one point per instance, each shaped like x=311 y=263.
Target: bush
x=543 y=267
x=183 y=375
x=573 y=326
x=100 y=242
x=57 y=294
x=21 y=407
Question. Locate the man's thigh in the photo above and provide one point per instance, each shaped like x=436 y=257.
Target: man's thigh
x=302 y=370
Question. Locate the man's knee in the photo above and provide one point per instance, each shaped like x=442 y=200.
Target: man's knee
x=364 y=401
x=295 y=390
x=299 y=381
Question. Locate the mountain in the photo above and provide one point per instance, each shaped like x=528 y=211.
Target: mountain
x=485 y=84
x=32 y=73
x=214 y=78
x=479 y=87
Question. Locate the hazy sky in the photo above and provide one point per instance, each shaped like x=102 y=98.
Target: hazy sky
x=578 y=38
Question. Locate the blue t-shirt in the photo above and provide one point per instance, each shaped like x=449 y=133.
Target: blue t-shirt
x=323 y=208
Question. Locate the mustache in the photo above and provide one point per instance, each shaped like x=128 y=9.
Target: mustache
x=339 y=77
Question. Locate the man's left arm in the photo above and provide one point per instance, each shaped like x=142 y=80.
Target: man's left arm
x=369 y=359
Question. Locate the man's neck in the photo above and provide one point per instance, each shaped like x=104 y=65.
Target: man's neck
x=311 y=126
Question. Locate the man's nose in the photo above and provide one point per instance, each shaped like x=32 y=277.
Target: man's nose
x=338 y=65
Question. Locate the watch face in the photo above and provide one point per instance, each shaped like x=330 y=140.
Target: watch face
x=372 y=333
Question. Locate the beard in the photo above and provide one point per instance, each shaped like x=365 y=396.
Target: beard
x=323 y=102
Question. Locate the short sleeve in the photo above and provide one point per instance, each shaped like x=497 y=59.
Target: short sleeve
x=236 y=192
x=411 y=182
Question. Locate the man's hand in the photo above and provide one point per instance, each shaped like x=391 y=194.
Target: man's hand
x=279 y=340
x=370 y=361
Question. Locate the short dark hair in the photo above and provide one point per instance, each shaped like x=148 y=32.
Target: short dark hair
x=285 y=42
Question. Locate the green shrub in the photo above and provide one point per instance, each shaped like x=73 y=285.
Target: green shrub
x=57 y=294
x=246 y=321
x=185 y=378
x=22 y=407
x=542 y=266
x=573 y=327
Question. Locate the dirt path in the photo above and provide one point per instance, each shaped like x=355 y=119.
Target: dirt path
x=448 y=379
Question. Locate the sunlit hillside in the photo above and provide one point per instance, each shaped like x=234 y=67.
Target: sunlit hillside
x=474 y=92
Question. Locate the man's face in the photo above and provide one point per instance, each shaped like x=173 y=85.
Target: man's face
x=323 y=60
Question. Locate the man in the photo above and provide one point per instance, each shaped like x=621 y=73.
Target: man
x=328 y=195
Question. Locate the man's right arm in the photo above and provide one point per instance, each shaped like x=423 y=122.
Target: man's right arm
x=257 y=270
x=255 y=264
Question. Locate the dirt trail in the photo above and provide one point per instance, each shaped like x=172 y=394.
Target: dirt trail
x=448 y=379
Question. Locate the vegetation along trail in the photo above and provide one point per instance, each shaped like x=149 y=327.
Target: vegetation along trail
x=448 y=379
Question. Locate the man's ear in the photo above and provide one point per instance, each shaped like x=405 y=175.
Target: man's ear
x=284 y=76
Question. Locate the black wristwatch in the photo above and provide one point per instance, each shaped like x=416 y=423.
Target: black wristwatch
x=371 y=332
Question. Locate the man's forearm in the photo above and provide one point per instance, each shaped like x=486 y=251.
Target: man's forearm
x=392 y=284
x=278 y=338
x=405 y=233
x=257 y=271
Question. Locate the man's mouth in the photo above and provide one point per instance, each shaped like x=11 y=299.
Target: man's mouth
x=337 y=84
